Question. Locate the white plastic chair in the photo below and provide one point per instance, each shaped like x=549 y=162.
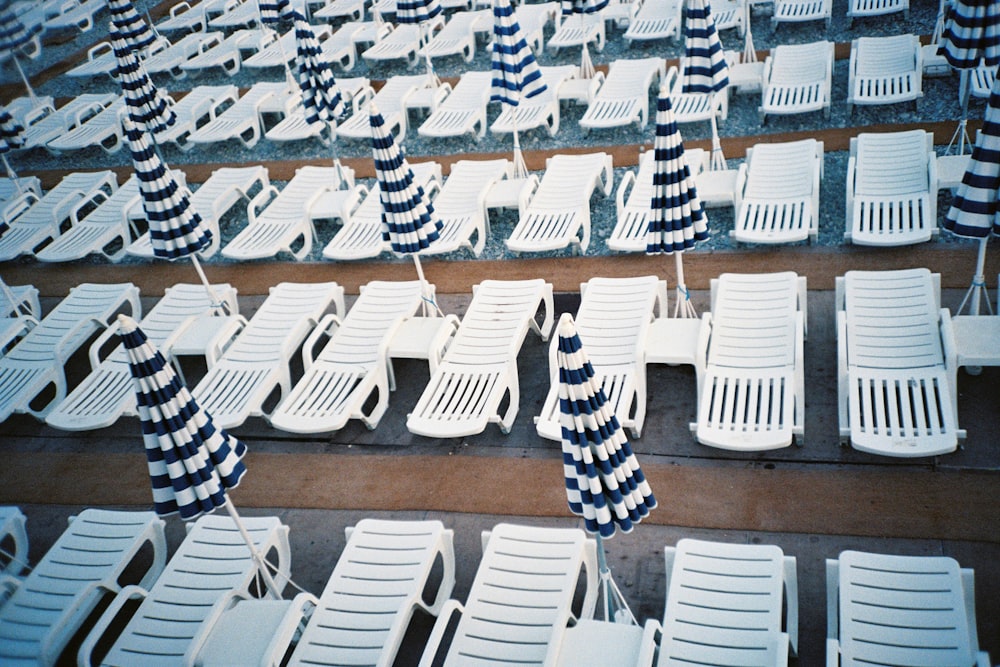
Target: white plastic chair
x=895 y=609
x=623 y=98
x=103 y=129
x=542 y=110
x=798 y=11
x=459 y=35
x=797 y=79
x=695 y=107
x=42 y=222
x=463 y=111
x=891 y=188
x=466 y=389
x=256 y=364
x=732 y=604
x=339 y=383
x=558 y=215
x=461 y=205
x=79 y=15
x=896 y=365
x=885 y=70
x=86 y=563
x=200 y=106
x=172 y=59
x=354 y=91
x=656 y=19
x=612 y=322
x=226 y=187
x=578 y=30
x=533 y=19
x=107 y=394
x=780 y=198
x=521 y=601
x=403 y=42
x=185 y=17
x=168 y=626
x=229 y=54
x=243 y=121
x=865 y=8
x=390 y=100
x=749 y=363
x=65 y=118
x=239 y=15
x=287 y=219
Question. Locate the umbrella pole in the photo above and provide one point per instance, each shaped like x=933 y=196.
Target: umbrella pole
x=520 y=168
x=10 y=172
x=272 y=588
x=718 y=160
x=684 y=307
x=216 y=301
x=27 y=84
x=425 y=297
x=977 y=291
x=616 y=609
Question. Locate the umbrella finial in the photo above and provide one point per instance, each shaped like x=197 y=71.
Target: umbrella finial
x=126 y=323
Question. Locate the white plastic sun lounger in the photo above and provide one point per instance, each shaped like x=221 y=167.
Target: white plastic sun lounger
x=287 y=219
x=459 y=34
x=243 y=121
x=558 y=215
x=353 y=10
x=896 y=364
x=283 y=50
x=107 y=394
x=103 y=129
x=213 y=560
x=885 y=70
x=200 y=106
x=360 y=237
x=522 y=599
x=225 y=188
x=240 y=15
x=18 y=317
x=798 y=11
x=729 y=14
x=84 y=565
x=230 y=53
x=354 y=91
x=901 y=610
x=185 y=16
x=467 y=388
x=390 y=100
x=891 y=188
x=13 y=534
x=402 y=43
x=797 y=79
x=106 y=230
x=339 y=383
x=101 y=59
x=542 y=110
x=256 y=364
x=43 y=220
x=461 y=205
x=533 y=19
x=612 y=322
x=579 y=29
x=172 y=59
x=780 y=199
x=66 y=117
x=727 y=604
x=656 y=19
x=80 y=16
x=865 y=8
x=749 y=363
x=38 y=360
x=384 y=574
x=623 y=98
x=632 y=198
x=695 y=107
x=463 y=111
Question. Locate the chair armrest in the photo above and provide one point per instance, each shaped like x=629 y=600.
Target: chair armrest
x=98 y=49
x=437 y=633
x=322 y=328
x=57 y=351
x=624 y=186
x=832 y=602
x=652 y=632
x=261 y=199
x=95 y=347
x=791 y=603
x=969 y=592
x=124 y=596
x=842 y=375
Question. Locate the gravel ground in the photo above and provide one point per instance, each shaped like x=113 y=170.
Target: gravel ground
x=940 y=103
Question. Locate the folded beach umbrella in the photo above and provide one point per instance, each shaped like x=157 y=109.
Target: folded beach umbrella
x=11 y=138
x=130 y=25
x=419 y=12
x=705 y=68
x=516 y=74
x=321 y=97
x=972 y=33
x=604 y=483
x=975 y=211
x=409 y=223
x=192 y=464
x=13 y=36
x=148 y=107
x=275 y=11
x=676 y=219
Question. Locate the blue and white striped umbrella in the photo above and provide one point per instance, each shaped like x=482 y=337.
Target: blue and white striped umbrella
x=148 y=108
x=604 y=483
x=972 y=32
x=417 y=11
x=11 y=138
x=409 y=223
x=321 y=97
x=13 y=36
x=130 y=25
x=175 y=229
x=191 y=462
x=568 y=7
x=516 y=74
x=275 y=11
x=975 y=210
x=705 y=68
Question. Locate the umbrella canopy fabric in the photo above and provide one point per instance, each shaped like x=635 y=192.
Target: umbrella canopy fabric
x=516 y=74
x=409 y=223
x=321 y=97
x=148 y=108
x=975 y=209
x=13 y=33
x=416 y=11
x=604 y=483
x=972 y=32
x=568 y=7
x=175 y=229
x=11 y=131
x=130 y=25
x=705 y=68
x=191 y=462
x=676 y=218
x=275 y=11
